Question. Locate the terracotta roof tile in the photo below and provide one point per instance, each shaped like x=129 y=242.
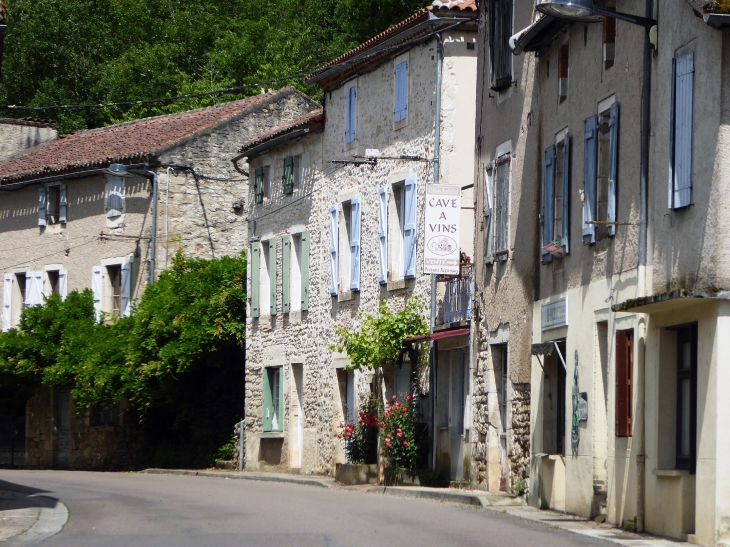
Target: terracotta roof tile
x=137 y=140
x=312 y=119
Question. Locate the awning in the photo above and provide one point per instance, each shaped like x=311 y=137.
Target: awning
x=671 y=300
x=438 y=335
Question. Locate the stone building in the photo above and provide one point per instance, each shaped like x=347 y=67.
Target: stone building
x=336 y=227
x=614 y=185
x=70 y=222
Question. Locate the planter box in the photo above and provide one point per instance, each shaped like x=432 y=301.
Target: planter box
x=353 y=473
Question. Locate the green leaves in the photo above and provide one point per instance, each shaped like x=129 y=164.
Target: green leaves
x=380 y=338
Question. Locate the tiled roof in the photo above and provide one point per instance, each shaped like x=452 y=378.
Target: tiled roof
x=138 y=140
x=312 y=119
x=417 y=17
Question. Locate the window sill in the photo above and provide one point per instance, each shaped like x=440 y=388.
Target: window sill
x=396 y=285
x=271 y=435
x=351 y=145
x=670 y=473
x=400 y=125
x=346 y=296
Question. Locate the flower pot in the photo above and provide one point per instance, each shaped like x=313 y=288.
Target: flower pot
x=355 y=473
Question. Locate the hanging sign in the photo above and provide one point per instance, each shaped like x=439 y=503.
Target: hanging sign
x=443 y=214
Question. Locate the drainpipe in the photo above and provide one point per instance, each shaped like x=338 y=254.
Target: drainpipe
x=436 y=179
x=146 y=173
x=167 y=216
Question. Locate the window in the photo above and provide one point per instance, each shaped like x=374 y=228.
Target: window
x=601 y=173
x=499 y=361
x=287 y=180
x=106 y=416
x=111 y=286
x=563 y=58
x=500 y=54
x=267 y=182
x=402 y=238
x=396 y=250
x=350 y=113
x=349 y=254
x=114 y=197
x=401 y=90
x=114 y=274
x=295 y=272
x=273 y=399
x=553 y=426
x=624 y=383
x=258 y=187
x=298 y=173
x=609 y=40
x=556 y=199
x=680 y=170
x=266 y=293
x=383 y=196
x=22 y=289
x=7 y=302
x=53 y=282
x=402 y=379
x=501 y=213
x=488 y=213
x=52 y=205
x=687 y=398
x=54 y=202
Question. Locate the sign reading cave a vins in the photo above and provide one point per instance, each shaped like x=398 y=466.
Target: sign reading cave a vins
x=554 y=314
x=443 y=213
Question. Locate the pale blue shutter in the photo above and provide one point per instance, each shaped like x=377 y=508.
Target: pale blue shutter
x=350 y=100
x=383 y=234
x=126 y=272
x=97 y=290
x=565 y=228
x=409 y=228
x=355 y=244
x=489 y=213
x=401 y=91
x=255 y=273
x=62 y=203
x=548 y=205
x=613 y=129
x=682 y=126
x=272 y=275
x=7 y=302
x=42 y=206
x=334 y=242
x=590 y=152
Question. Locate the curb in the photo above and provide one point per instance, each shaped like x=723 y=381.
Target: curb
x=292 y=479
x=476 y=499
x=52 y=518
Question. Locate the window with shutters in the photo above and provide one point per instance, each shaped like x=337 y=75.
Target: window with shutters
x=20 y=293
x=400 y=109
x=53 y=196
x=114 y=276
x=266 y=277
x=624 y=382
x=287 y=179
x=53 y=281
x=350 y=114
x=686 y=416
x=489 y=213
x=258 y=185
x=563 y=60
x=295 y=275
x=500 y=55
x=273 y=399
x=682 y=114
x=609 y=38
x=349 y=245
x=397 y=232
x=298 y=173
x=556 y=199
x=501 y=207
x=114 y=197
x=267 y=182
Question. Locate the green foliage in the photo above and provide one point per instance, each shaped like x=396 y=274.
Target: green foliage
x=361 y=438
x=380 y=337
x=91 y=51
x=398 y=436
x=519 y=486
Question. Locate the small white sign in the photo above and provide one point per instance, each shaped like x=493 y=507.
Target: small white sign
x=442 y=219
x=554 y=314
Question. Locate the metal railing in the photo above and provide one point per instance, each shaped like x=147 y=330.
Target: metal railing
x=457 y=297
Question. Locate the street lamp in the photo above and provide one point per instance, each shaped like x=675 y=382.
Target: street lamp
x=583 y=11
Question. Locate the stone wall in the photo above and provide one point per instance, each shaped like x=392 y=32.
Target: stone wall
x=20 y=136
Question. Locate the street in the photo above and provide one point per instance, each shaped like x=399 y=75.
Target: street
x=128 y=509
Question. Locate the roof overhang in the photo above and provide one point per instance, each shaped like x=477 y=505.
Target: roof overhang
x=537 y=35
x=717 y=21
x=276 y=141
x=671 y=300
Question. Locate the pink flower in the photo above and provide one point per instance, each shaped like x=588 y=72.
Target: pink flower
x=342 y=425
x=399 y=434
x=395 y=397
x=410 y=397
x=339 y=436
x=389 y=445
x=405 y=443
x=399 y=430
x=349 y=434
x=404 y=410
x=382 y=424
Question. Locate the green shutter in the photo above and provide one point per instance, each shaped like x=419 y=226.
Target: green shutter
x=254 y=292
x=304 y=261
x=259 y=185
x=288 y=178
x=285 y=272
x=272 y=274
x=267 y=406
x=280 y=410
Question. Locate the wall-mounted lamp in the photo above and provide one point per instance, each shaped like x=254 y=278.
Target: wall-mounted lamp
x=118 y=170
x=583 y=11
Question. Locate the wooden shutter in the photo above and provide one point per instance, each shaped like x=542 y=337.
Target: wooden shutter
x=33 y=289
x=126 y=271
x=548 y=205
x=501 y=209
x=62 y=203
x=350 y=108
x=355 y=219
x=63 y=284
x=304 y=265
x=7 y=302
x=683 y=87
x=42 y=206
x=285 y=273
x=334 y=242
x=255 y=272
x=272 y=276
x=280 y=407
x=267 y=402
x=613 y=131
x=97 y=290
x=565 y=228
x=383 y=195
x=288 y=179
x=590 y=180
x=624 y=391
x=401 y=91
x=500 y=31
x=258 y=185
x=489 y=214
x=409 y=228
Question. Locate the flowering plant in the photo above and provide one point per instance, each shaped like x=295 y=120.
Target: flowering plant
x=361 y=438
x=398 y=433
x=465 y=258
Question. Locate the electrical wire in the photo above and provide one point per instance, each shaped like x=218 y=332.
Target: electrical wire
x=39 y=244
x=66 y=250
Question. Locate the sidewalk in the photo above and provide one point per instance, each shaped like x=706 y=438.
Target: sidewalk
x=491 y=501
x=28 y=518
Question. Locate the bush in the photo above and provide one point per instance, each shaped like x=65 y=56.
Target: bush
x=361 y=438
x=398 y=434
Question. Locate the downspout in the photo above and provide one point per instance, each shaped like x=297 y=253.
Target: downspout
x=167 y=216
x=153 y=236
x=436 y=180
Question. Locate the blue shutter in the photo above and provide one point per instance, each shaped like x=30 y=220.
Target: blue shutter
x=409 y=228
x=565 y=228
x=613 y=128
x=682 y=126
x=401 y=91
x=334 y=242
x=62 y=203
x=355 y=244
x=383 y=234
x=590 y=152
x=488 y=213
x=350 y=109
x=42 y=206
x=548 y=205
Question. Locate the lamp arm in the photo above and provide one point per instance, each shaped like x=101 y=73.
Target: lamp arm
x=634 y=19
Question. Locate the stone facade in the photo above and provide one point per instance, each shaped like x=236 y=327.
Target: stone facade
x=20 y=136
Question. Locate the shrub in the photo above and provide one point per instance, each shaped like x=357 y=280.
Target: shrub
x=398 y=433
x=361 y=438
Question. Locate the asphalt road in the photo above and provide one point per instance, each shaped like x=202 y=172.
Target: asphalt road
x=127 y=509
